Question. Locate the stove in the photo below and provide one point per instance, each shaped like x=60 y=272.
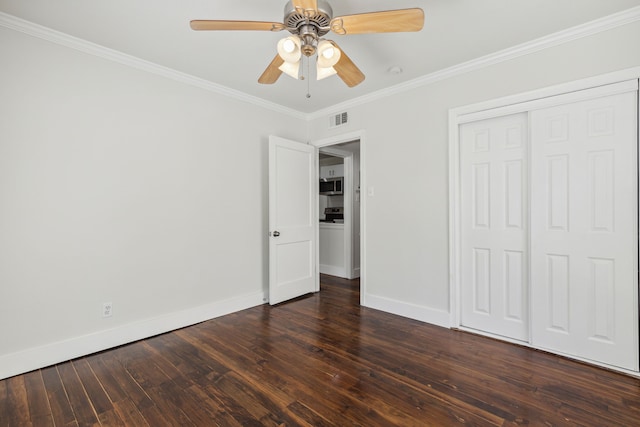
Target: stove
x=333 y=215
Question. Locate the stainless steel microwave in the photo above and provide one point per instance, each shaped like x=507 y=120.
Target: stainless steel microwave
x=331 y=186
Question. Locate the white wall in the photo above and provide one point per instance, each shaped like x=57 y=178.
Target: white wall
x=121 y=186
x=406 y=161
x=118 y=185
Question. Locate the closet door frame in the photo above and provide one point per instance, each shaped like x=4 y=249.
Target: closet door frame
x=579 y=90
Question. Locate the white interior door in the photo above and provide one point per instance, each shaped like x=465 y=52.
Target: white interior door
x=494 y=256
x=293 y=219
x=584 y=229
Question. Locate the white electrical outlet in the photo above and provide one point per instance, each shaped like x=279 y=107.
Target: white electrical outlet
x=107 y=309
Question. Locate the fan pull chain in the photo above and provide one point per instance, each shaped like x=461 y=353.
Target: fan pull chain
x=308 y=77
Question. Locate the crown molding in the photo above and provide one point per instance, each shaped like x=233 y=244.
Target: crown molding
x=584 y=30
x=44 y=33
x=589 y=28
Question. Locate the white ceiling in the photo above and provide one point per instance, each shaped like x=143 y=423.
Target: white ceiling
x=455 y=31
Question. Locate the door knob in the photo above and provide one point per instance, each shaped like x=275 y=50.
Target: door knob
x=276 y=233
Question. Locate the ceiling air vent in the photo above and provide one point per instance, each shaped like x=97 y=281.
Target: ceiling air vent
x=338 y=120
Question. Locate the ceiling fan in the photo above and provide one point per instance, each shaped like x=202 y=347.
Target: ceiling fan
x=308 y=21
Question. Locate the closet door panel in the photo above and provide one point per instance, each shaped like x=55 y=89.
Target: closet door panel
x=494 y=285
x=584 y=285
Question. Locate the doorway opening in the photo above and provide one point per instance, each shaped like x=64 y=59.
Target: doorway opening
x=341 y=240
x=339 y=211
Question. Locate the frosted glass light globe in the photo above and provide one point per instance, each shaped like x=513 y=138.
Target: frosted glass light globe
x=328 y=53
x=288 y=46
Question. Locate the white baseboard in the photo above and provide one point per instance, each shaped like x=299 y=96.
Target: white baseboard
x=50 y=354
x=333 y=270
x=412 y=311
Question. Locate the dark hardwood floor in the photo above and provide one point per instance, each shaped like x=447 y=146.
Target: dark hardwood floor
x=319 y=360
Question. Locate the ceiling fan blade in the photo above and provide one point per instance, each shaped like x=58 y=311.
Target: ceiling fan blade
x=272 y=73
x=388 y=21
x=347 y=70
x=215 y=25
x=306 y=7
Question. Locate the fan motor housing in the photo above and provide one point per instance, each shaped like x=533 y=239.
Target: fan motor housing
x=321 y=20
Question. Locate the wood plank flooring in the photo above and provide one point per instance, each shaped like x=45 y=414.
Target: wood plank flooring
x=320 y=360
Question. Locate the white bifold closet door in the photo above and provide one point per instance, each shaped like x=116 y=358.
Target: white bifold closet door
x=494 y=282
x=584 y=237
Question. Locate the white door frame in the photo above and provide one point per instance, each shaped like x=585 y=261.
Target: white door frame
x=340 y=139
x=495 y=108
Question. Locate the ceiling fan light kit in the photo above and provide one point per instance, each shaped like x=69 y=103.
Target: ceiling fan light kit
x=289 y=46
x=328 y=54
x=291 y=69
x=323 y=73
x=308 y=21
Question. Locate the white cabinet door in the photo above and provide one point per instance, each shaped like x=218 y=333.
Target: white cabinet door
x=584 y=230
x=494 y=291
x=324 y=172
x=331 y=247
x=293 y=189
x=332 y=171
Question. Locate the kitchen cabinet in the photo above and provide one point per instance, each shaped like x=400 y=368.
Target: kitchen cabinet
x=332 y=260
x=332 y=171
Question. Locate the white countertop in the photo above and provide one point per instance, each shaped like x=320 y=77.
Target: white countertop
x=331 y=225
